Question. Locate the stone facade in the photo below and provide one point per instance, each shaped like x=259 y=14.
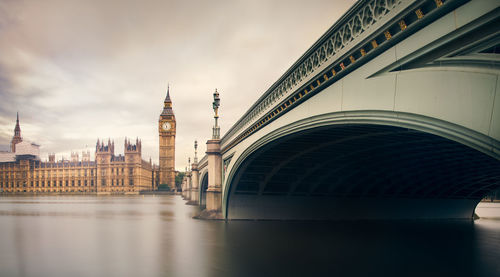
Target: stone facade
x=167 y=130
x=30 y=175
x=127 y=173
x=108 y=174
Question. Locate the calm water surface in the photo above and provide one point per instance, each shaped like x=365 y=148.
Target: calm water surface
x=156 y=236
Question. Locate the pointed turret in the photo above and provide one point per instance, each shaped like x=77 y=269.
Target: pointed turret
x=17 y=129
x=167 y=99
x=167 y=104
x=17 y=135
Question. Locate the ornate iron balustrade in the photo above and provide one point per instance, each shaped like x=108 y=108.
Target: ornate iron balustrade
x=353 y=38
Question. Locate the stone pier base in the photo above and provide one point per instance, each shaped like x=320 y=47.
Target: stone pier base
x=210 y=215
x=213 y=209
x=194 y=198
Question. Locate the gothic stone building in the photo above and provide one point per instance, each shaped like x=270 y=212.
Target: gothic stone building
x=24 y=172
x=167 y=130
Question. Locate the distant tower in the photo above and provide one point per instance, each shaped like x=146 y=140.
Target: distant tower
x=86 y=156
x=104 y=152
x=17 y=136
x=166 y=129
x=132 y=152
x=74 y=157
x=103 y=155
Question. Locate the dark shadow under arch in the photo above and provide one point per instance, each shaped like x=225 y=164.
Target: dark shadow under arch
x=361 y=171
x=203 y=190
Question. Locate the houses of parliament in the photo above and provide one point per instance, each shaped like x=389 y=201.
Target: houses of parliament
x=22 y=171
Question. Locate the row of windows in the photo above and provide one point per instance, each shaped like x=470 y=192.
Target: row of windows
x=49 y=184
x=44 y=178
x=60 y=173
x=118 y=171
x=36 y=174
x=12 y=175
x=62 y=190
x=118 y=182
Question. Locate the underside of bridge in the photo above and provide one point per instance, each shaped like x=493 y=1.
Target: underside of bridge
x=361 y=172
x=203 y=190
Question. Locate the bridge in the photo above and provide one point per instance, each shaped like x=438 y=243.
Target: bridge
x=394 y=113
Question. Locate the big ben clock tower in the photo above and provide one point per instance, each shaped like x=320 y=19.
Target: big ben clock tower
x=166 y=129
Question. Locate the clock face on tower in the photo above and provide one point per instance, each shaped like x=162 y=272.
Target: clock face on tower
x=166 y=126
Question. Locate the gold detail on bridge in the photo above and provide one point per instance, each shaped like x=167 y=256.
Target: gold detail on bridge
x=374 y=43
x=419 y=13
x=387 y=35
x=402 y=25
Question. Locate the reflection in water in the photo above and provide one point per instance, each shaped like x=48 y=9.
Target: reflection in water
x=156 y=236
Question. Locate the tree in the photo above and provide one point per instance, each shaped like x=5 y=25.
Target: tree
x=178 y=179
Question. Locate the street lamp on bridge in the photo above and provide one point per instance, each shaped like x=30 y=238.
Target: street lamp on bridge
x=195 y=152
x=216 y=104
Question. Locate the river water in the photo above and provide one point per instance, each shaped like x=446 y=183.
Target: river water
x=156 y=236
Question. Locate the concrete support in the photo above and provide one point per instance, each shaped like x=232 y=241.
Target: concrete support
x=194 y=198
x=213 y=208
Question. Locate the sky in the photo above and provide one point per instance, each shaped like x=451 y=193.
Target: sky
x=81 y=70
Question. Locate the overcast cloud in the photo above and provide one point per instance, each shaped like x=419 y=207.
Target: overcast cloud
x=81 y=70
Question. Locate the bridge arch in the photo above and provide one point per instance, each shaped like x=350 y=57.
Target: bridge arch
x=203 y=188
x=361 y=165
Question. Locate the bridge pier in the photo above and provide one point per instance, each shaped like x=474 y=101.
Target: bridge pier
x=194 y=193
x=184 y=187
x=213 y=208
x=188 y=186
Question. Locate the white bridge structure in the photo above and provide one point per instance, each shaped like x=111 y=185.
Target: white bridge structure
x=394 y=113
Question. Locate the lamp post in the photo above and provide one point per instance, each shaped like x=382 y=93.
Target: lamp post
x=214 y=160
x=195 y=152
x=194 y=196
x=216 y=104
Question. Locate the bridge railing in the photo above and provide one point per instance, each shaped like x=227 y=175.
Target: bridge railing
x=203 y=162
x=353 y=37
